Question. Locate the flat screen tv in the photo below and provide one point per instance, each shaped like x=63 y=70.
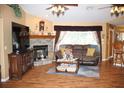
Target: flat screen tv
x=20 y=37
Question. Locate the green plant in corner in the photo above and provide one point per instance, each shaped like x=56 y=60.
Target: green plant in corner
x=16 y=9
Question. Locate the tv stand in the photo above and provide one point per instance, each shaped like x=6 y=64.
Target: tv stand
x=20 y=63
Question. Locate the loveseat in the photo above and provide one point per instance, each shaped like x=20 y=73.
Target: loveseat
x=81 y=52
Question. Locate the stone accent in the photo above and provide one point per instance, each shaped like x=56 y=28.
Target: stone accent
x=49 y=42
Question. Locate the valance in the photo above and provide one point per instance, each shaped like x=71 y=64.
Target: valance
x=77 y=28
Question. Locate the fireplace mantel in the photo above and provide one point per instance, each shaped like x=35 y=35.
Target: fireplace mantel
x=42 y=36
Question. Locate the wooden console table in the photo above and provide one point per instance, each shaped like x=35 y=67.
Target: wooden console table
x=68 y=63
x=20 y=64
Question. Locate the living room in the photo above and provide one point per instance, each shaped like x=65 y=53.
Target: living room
x=37 y=76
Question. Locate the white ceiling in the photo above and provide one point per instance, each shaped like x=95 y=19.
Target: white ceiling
x=82 y=13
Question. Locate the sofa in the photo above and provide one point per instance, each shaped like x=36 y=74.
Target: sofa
x=92 y=59
x=86 y=54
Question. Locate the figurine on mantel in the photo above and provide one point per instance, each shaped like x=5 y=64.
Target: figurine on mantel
x=41 y=27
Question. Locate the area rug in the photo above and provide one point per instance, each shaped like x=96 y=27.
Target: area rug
x=84 y=71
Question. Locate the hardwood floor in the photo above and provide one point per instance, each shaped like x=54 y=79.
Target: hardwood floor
x=110 y=76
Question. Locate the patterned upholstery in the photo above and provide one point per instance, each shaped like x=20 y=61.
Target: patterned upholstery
x=79 y=51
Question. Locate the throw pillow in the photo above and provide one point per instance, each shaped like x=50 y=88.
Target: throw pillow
x=90 y=52
x=62 y=50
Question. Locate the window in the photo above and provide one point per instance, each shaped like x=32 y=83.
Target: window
x=77 y=37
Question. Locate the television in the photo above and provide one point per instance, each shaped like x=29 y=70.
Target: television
x=20 y=37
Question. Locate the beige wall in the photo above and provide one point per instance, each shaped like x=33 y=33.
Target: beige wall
x=91 y=24
x=8 y=16
x=1 y=40
x=33 y=23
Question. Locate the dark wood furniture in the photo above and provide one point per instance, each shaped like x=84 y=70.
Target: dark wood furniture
x=118 y=53
x=20 y=63
x=68 y=64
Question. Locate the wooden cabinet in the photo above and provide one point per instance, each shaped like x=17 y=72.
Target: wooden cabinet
x=20 y=63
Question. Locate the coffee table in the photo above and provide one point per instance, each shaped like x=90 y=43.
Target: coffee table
x=63 y=65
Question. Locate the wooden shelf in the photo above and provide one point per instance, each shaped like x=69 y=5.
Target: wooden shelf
x=42 y=36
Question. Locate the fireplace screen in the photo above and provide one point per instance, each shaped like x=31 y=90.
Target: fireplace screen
x=41 y=52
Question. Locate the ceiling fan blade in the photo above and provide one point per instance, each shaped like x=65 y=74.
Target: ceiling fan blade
x=62 y=5
x=71 y=5
x=49 y=8
x=66 y=8
x=120 y=5
x=105 y=7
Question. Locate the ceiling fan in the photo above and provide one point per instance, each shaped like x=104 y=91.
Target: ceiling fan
x=112 y=5
x=59 y=9
x=116 y=9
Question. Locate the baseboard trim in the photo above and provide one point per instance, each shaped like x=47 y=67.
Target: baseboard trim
x=110 y=57
x=106 y=59
x=4 y=79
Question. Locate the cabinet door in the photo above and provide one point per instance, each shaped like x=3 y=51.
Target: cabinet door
x=24 y=67
x=32 y=58
x=28 y=60
x=15 y=67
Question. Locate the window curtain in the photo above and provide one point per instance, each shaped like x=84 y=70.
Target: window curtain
x=97 y=29
x=79 y=38
x=57 y=36
x=95 y=37
x=61 y=37
x=100 y=44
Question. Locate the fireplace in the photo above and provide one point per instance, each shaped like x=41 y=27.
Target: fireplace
x=40 y=52
x=45 y=41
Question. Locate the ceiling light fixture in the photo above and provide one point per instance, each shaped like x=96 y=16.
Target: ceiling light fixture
x=58 y=9
x=117 y=9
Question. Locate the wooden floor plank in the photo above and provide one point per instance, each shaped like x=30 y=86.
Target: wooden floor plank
x=110 y=76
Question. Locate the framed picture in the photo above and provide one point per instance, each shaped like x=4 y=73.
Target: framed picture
x=41 y=25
